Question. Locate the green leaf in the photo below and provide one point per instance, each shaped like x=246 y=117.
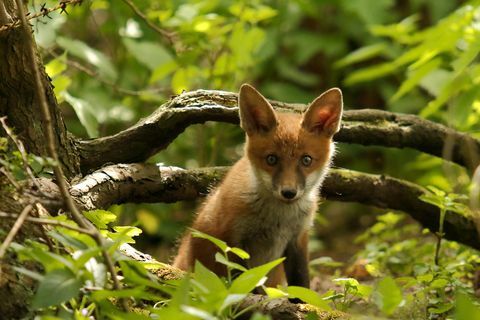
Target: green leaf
x=439 y=283
x=163 y=70
x=220 y=258
x=196 y=312
x=325 y=262
x=137 y=292
x=309 y=296
x=232 y=299
x=275 y=293
x=125 y=234
x=361 y=54
x=29 y=273
x=219 y=243
x=387 y=296
x=56 y=66
x=442 y=308
x=100 y=218
x=465 y=309
x=240 y=253
x=150 y=54
x=250 y=279
x=57 y=286
x=208 y=279
x=90 y=55
x=415 y=77
x=347 y=282
x=85 y=113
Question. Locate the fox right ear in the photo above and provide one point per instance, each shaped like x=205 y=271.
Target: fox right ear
x=256 y=113
x=324 y=114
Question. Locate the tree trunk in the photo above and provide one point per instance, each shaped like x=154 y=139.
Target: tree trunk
x=18 y=99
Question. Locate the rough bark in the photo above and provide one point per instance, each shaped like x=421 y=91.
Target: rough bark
x=19 y=103
x=147 y=183
x=366 y=127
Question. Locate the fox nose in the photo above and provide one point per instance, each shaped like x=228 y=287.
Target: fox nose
x=289 y=193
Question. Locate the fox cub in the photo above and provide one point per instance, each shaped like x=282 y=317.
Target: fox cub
x=267 y=201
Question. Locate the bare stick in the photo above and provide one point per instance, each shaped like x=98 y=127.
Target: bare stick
x=51 y=147
x=44 y=221
x=111 y=84
x=43 y=12
x=18 y=224
x=170 y=36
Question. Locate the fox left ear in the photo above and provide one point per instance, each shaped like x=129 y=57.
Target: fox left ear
x=324 y=113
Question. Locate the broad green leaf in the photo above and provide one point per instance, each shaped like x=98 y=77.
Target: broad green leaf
x=435 y=81
x=135 y=272
x=85 y=52
x=232 y=299
x=467 y=56
x=61 y=83
x=125 y=234
x=56 y=66
x=163 y=70
x=442 y=308
x=100 y=218
x=387 y=296
x=219 y=243
x=439 y=283
x=150 y=54
x=220 y=258
x=57 y=286
x=371 y=73
x=240 y=253
x=196 y=312
x=414 y=78
x=275 y=293
x=249 y=279
x=183 y=79
x=465 y=309
x=399 y=31
x=208 y=279
x=361 y=54
x=29 y=273
x=309 y=296
x=85 y=113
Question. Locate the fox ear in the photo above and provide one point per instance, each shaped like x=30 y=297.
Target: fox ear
x=324 y=113
x=256 y=113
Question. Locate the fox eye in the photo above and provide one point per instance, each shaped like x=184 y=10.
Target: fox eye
x=306 y=160
x=272 y=159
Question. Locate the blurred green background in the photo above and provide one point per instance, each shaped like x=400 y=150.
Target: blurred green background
x=110 y=68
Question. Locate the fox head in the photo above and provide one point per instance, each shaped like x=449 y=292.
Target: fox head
x=289 y=153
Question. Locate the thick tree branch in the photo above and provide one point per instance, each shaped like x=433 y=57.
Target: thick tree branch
x=149 y=183
x=367 y=127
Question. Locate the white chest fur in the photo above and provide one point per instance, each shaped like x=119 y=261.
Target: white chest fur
x=271 y=224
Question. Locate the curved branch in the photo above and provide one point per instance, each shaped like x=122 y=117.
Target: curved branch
x=150 y=183
x=367 y=127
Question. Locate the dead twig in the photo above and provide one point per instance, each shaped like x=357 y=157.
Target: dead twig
x=44 y=12
x=170 y=36
x=44 y=221
x=111 y=84
x=18 y=224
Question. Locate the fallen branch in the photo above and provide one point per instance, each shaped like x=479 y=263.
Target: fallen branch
x=366 y=127
x=140 y=183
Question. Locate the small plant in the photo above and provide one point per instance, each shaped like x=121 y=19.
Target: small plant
x=445 y=202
